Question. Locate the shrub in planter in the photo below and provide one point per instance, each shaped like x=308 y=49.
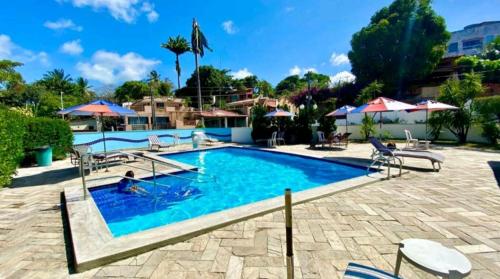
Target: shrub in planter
x=46 y=131
x=11 y=148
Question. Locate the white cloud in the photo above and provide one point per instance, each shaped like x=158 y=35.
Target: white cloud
x=342 y=77
x=339 y=59
x=12 y=51
x=229 y=27
x=242 y=73
x=62 y=24
x=296 y=70
x=111 y=67
x=72 y=47
x=149 y=9
x=126 y=10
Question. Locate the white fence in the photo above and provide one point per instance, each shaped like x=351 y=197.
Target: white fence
x=417 y=131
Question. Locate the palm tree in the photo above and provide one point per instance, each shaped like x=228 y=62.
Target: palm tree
x=198 y=43
x=154 y=81
x=57 y=80
x=82 y=87
x=179 y=46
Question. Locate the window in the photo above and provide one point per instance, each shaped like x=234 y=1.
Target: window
x=134 y=120
x=472 y=44
x=453 y=47
x=160 y=105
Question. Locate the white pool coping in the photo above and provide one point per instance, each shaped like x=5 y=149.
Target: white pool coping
x=94 y=245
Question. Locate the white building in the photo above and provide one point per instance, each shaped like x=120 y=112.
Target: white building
x=473 y=38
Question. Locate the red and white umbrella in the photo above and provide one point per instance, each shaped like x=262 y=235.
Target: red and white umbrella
x=382 y=104
x=430 y=106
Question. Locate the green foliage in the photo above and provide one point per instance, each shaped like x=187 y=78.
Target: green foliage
x=367 y=126
x=8 y=74
x=290 y=84
x=491 y=131
x=326 y=123
x=11 y=150
x=403 y=42
x=301 y=131
x=260 y=123
x=462 y=94
x=265 y=88
x=178 y=46
x=370 y=92
x=57 y=81
x=492 y=50
x=316 y=80
x=132 y=90
x=46 y=131
x=435 y=124
x=490 y=69
x=489 y=106
x=213 y=82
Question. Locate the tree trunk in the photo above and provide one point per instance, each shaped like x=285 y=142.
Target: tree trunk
x=178 y=70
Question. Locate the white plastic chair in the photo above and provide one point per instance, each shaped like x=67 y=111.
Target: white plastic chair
x=410 y=140
x=321 y=138
x=272 y=141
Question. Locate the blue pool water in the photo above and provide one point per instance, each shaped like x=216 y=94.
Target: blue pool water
x=232 y=177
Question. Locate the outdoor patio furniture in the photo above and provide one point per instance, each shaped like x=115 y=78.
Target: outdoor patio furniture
x=341 y=140
x=76 y=154
x=415 y=143
x=383 y=153
x=433 y=257
x=280 y=138
x=154 y=141
x=100 y=158
x=358 y=271
x=321 y=138
x=272 y=141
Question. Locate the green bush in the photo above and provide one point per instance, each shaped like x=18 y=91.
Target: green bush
x=45 y=131
x=367 y=126
x=11 y=148
x=491 y=131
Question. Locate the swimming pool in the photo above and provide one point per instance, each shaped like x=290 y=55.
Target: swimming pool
x=229 y=177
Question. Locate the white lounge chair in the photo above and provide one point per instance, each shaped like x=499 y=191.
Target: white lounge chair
x=154 y=141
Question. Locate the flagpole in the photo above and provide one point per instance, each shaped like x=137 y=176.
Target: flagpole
x=196 y=50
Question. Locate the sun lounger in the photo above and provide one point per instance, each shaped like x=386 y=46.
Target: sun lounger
x=358 y=271
x=390 y=155
x=101 y=158
x=154 y=141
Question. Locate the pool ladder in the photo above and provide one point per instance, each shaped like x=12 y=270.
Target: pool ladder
x=85 y=159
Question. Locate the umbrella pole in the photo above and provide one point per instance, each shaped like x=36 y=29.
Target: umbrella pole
x=426 y=120
x=346 y=124
x=104 y=141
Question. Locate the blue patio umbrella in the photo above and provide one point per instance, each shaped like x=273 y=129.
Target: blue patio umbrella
x=342 y=112
x=98 y=108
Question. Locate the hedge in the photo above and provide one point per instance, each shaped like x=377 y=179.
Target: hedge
x=46 y=131
x=12 y=130
x=19 y=135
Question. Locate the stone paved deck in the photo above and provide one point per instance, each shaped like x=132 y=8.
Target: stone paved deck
x=459 y=207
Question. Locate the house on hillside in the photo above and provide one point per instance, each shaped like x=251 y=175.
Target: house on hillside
x=170 y=113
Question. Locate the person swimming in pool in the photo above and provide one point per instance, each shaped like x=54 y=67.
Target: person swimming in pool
x=126 y=185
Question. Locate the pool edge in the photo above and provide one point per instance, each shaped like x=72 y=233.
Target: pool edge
x=105 y=248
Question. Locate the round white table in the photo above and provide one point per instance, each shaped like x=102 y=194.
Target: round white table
x=433 y=257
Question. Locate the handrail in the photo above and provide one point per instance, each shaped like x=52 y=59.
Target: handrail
x=154 y=171
x=167 y=164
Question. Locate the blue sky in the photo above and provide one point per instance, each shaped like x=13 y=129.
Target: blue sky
x=110 y=41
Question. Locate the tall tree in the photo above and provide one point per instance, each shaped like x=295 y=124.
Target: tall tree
x=8 y=74
x=402 y=42
x=58 y=81
x=178 y=46
x=153 y=81
x=290 y=84
x=198 y=45
x=131 y=90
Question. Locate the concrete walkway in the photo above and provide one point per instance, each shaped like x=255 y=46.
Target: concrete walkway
x=459 y=207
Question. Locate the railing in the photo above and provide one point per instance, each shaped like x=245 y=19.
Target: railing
x=86 y=159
